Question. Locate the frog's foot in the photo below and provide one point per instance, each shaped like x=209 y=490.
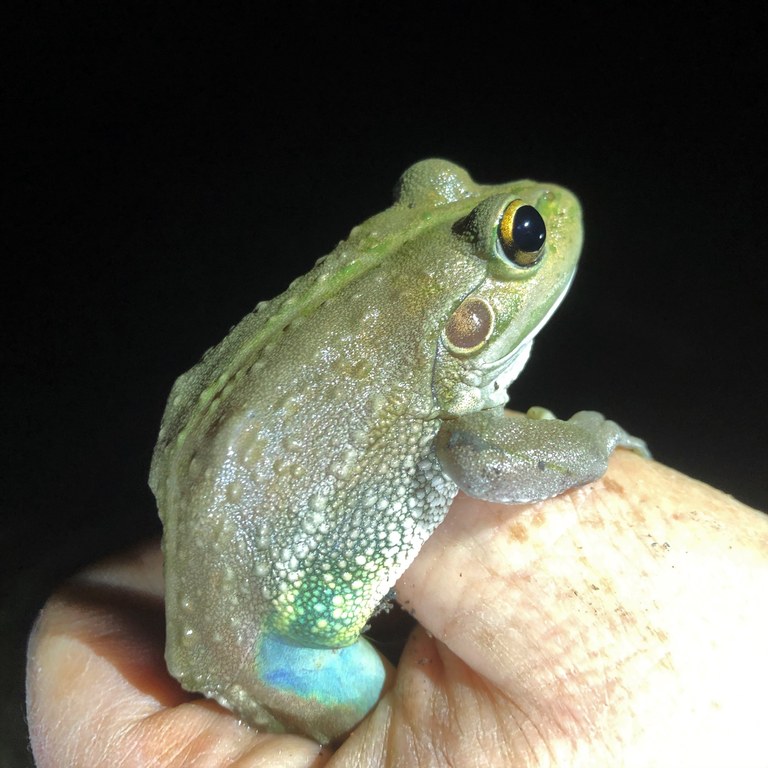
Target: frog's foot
x=595 y=423
x=322 y=692
x=514 y=459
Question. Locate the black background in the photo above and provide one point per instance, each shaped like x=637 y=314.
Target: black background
x=166 y=168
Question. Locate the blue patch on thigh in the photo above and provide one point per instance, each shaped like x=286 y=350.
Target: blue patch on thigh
x=352 y=676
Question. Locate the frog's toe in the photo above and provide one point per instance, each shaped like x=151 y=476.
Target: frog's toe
x=635 y=444
x=539 y=413
x=612 y=433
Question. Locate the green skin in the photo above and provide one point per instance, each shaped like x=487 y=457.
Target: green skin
x=304 y=461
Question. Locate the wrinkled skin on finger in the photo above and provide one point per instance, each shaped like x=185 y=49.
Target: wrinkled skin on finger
x=620 y=623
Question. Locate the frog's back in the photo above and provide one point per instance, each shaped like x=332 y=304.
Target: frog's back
x=195 y=393
x=425 y=185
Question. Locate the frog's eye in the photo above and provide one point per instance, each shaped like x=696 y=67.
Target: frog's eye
x=522 y=233
x=470 y=326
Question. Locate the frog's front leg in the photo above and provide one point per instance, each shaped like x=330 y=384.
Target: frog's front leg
x=514 y=458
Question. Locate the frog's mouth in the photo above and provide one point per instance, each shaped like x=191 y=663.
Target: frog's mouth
x=496 y=374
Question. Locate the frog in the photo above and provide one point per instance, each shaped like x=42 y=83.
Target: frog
x=304 y=461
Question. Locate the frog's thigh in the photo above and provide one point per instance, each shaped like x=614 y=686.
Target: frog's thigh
x=323 y=692
x=512 y=458
x=219 y=642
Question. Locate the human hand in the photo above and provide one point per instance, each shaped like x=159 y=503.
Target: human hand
x=620 y=623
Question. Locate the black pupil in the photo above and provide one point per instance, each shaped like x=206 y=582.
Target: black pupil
x=528 y=229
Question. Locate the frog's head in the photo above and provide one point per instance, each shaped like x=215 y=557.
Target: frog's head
x=517 y=246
